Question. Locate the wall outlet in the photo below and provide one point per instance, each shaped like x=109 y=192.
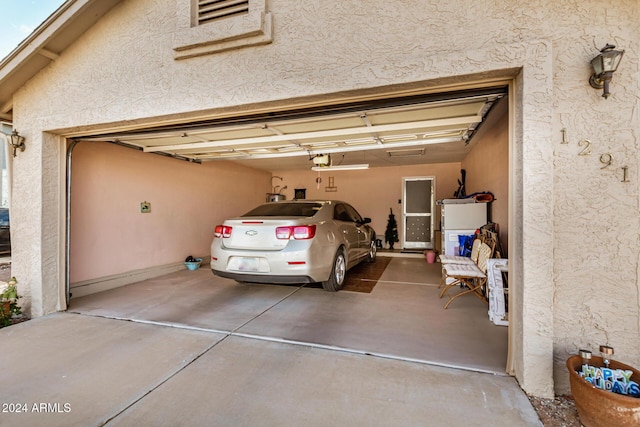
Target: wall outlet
x=145 y=207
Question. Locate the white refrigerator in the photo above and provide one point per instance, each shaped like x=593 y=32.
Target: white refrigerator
x=460 y=219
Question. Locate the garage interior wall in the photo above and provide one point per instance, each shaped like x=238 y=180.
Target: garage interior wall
x=487 y=167
x=109 y=183
x=110 y=235
x=373 y=191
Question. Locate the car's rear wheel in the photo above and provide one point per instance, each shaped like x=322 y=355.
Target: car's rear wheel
x=338 y=273
x=373 y=250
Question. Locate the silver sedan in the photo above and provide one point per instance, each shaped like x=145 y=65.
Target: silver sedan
x=299 y=241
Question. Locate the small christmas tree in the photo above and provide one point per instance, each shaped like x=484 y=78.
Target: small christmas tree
x=391 y=234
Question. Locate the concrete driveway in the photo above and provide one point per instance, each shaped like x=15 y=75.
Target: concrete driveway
x=115 y=362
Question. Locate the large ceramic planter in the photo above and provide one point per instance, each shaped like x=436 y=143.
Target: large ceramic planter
x=600 y=408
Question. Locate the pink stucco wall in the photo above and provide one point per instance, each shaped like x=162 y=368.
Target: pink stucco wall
x=487 y=167
x=109 y=234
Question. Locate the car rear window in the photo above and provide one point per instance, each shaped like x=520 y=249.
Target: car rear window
x=285 y=209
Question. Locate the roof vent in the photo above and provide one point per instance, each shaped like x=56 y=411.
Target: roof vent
x=214 y=10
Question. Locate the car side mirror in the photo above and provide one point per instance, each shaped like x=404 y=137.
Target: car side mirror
x=365 y=221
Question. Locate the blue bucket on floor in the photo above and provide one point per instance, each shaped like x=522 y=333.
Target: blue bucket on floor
x=193 y=265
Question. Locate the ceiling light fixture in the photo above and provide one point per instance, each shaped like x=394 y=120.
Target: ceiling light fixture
x=406 y=153
x=340 y=168
x=604 y=65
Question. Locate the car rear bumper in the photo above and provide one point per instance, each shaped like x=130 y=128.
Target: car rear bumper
x=299 y=262
x=261 y=278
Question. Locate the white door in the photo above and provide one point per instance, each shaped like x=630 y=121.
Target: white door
x=417 y=212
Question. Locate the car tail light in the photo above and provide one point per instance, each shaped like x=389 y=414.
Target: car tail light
x=298 y=232
x=283 y=233
x=223 y=231
x=304 y=232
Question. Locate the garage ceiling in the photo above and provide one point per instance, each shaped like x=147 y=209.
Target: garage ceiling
x=416 y=130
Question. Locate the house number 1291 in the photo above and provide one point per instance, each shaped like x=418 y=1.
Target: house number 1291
x=606 y=159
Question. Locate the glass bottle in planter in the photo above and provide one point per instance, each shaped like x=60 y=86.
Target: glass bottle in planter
x=606 y=352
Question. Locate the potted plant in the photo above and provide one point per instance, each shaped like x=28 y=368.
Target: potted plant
x=9 y=302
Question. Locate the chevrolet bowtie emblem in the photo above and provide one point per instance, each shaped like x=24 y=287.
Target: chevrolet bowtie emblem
x=251 y=232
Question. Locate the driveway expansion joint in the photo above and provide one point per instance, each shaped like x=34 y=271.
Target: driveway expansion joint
x=265 y=338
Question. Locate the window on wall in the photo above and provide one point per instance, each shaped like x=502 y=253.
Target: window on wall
x=215 y=10
x=210 y=26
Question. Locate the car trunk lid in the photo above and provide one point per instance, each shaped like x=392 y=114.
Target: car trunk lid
x=257 y=234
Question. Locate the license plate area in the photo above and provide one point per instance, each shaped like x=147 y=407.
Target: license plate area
x=248 y=264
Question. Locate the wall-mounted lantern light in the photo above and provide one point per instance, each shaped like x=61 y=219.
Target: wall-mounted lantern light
x=17 y=142
x=604 y=65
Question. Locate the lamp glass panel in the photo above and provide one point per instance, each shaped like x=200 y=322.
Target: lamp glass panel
x=596 y=63
x=616 y=59
x=608 y=61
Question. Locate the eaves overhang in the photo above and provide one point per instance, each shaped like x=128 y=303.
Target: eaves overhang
x=62 y=28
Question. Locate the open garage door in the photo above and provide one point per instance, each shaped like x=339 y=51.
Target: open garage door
x=389 y=131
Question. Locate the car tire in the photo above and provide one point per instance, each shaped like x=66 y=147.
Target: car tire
x=338 y=273
x=373 y=250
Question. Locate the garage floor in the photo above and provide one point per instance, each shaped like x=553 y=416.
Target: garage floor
x=401 y=318
x=191 y=349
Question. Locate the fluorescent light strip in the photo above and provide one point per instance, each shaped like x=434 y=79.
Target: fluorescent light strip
x=406 y=153
x=340 y=168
